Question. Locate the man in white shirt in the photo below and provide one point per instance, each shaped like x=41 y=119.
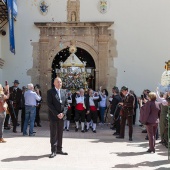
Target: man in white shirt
x=31 y=98
x=80 y=109
x=93 y=99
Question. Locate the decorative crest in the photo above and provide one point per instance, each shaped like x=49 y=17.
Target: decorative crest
x=103 y=6
x=43 y=7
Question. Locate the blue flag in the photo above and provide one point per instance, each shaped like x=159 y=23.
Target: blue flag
x=15 y=10
x=11 y=25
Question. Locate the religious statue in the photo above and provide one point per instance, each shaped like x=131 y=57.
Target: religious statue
x=165 y=79
x=73 y=17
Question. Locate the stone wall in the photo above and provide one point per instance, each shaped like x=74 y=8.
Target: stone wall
x=93 y=37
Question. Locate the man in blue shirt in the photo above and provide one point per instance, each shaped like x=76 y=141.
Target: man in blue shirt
x=31 y=99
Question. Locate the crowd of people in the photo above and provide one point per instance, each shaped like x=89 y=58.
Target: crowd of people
x=86 y=108
x=12 y=99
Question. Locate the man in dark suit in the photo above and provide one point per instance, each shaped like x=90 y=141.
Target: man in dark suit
x=57 y=104
x=127 y=112
x=115 y=109
x=15 y=103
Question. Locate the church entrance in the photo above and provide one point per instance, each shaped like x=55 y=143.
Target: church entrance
x=96 y=49
x=73 y=75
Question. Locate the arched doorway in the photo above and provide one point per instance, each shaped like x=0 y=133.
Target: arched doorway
x=83 y=56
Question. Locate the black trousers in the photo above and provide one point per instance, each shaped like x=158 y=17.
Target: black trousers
x=80 y=115
x=99 y=116
x=68 y=114
x=37 y=118
x=134 y=117
x=56 y=135
x=22 y=118
x=117 y=124
x=14 y=117
x=123 y=123
x=92 y=116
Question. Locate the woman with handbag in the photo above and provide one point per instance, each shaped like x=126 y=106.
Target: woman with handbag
x=149 y=116
x=3 y=108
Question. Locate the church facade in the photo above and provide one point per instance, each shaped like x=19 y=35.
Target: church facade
x=128 y=41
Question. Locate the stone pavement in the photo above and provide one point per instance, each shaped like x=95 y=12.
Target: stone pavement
x=100 y=151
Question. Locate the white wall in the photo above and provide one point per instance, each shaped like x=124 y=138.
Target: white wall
x=141 y=30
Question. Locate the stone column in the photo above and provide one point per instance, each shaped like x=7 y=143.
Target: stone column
x=103 y=60
x=43 y=47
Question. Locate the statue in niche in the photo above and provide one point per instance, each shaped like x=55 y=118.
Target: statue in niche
x=73 y=17
x=73 y=10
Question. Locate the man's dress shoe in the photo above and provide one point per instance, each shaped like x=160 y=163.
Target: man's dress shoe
x=119 y=137
x=62 y=153
x=144 y=131
x=130 y=139
x=150 y=151
x=116 y=134
x=52 y=155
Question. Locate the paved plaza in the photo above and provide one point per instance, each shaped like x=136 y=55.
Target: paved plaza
x=87 y=151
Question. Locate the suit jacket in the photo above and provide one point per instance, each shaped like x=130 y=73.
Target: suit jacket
x=150 y=112
x=15 y=96
x=128 y=105
x=54 y=105
x=116 y=99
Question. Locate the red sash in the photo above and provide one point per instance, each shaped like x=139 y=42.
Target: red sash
x=79 y=106
x=93 y=108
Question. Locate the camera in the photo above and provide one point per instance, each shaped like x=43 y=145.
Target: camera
x=119 y=106
x=168 y=99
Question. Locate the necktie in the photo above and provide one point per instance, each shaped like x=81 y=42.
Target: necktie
x=59 y=94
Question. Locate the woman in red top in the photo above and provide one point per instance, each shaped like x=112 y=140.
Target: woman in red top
x=3 y=108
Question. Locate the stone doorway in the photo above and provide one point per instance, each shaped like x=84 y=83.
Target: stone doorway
x=94 y=37
x=83 y=56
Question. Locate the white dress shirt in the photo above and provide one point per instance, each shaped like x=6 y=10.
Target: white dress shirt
x=31 y=98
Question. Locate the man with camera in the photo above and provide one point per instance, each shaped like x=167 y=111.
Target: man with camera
x=127 y=112
x=115 y=109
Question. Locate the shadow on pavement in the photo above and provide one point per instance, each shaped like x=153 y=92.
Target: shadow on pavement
x=123 y=154
x=144 y=164
x=24 y=158
x=160 y=149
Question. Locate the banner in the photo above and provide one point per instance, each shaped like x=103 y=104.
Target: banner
x=15 y=10
x=4 y=1
x=11 y=25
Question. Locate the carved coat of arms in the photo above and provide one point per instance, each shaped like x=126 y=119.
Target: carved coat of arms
x=43 y=7
x=103 y=6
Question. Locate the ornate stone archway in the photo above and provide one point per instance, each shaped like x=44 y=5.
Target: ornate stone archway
x=93 y=37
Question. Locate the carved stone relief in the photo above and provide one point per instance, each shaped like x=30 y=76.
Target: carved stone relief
x=73 y=10
x=94 y=37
